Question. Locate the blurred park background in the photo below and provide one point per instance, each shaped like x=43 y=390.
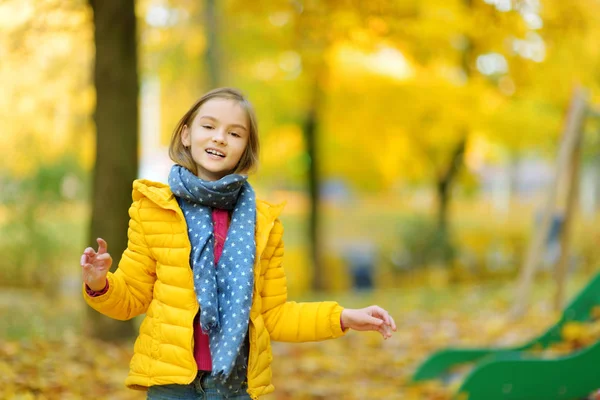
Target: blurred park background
x=416 y=144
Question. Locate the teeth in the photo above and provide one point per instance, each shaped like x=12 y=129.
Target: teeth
x=215 y=152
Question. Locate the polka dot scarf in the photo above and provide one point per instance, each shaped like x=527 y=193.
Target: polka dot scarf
x=224 y=292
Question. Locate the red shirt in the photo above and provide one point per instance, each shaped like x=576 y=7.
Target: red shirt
x=201 y=349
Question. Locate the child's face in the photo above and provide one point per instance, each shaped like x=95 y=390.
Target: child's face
x=217 y=138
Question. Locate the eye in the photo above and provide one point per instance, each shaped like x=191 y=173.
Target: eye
x=235 y=134
x=208 y=127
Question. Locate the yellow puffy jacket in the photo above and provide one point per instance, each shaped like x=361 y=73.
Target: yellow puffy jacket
x=154 y=277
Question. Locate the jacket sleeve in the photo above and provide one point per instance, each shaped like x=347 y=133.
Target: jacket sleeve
x=130 y=286
x=288 y=321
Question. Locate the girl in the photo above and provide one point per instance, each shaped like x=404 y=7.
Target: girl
x=203 y=242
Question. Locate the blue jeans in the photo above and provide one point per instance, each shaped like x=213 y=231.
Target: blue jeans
x=202 y=388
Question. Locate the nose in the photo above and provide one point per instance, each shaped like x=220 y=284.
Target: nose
x=220 y=137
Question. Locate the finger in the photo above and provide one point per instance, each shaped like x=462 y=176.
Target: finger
x=95 y=270
x=385 y=331
x=388 y=319
x=83 y=260
x=376 y=311
x=89 y=269
x=388 y=331
x=102 y=246
x=103 y=257
x=381 y=313
x=376 y=322
x=89 y=251
x=385 y=316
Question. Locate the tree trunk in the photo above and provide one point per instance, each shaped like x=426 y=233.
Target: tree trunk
x=445 y=183
x=212 y=57
x=310 y=133
x=312 y=46
x=447 y=178
x=116 y=118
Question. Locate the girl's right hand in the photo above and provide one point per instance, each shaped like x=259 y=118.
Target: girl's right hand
x=95 y=266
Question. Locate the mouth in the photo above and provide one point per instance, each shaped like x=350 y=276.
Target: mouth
x=215 y=153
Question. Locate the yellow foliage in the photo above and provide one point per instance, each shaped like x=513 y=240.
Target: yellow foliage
x=402 y=86
x=575 y=336
x=13 y=14
x=46 y=98
x=284 y=142
x=574 y=331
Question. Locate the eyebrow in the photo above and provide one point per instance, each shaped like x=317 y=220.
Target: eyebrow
x=216 y=120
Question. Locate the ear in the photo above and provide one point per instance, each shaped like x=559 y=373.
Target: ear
x=185 y=137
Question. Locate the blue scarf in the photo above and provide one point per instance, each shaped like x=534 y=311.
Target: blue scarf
x=224 y=292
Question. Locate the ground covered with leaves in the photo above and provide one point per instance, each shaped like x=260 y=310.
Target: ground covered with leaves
x=57 y=362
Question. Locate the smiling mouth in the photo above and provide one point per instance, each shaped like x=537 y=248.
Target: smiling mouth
x=215 y=153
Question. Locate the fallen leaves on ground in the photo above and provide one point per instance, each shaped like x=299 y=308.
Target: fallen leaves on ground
x=73 y=368
x=575 y=336
x=357 y=366
x=364 y=366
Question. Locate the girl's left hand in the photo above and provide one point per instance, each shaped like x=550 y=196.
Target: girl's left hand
x=372 y=318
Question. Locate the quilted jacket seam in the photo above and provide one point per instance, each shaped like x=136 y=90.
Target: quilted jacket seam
x=139 y=205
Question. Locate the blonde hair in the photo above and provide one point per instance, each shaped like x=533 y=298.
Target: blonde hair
x=182 y=155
